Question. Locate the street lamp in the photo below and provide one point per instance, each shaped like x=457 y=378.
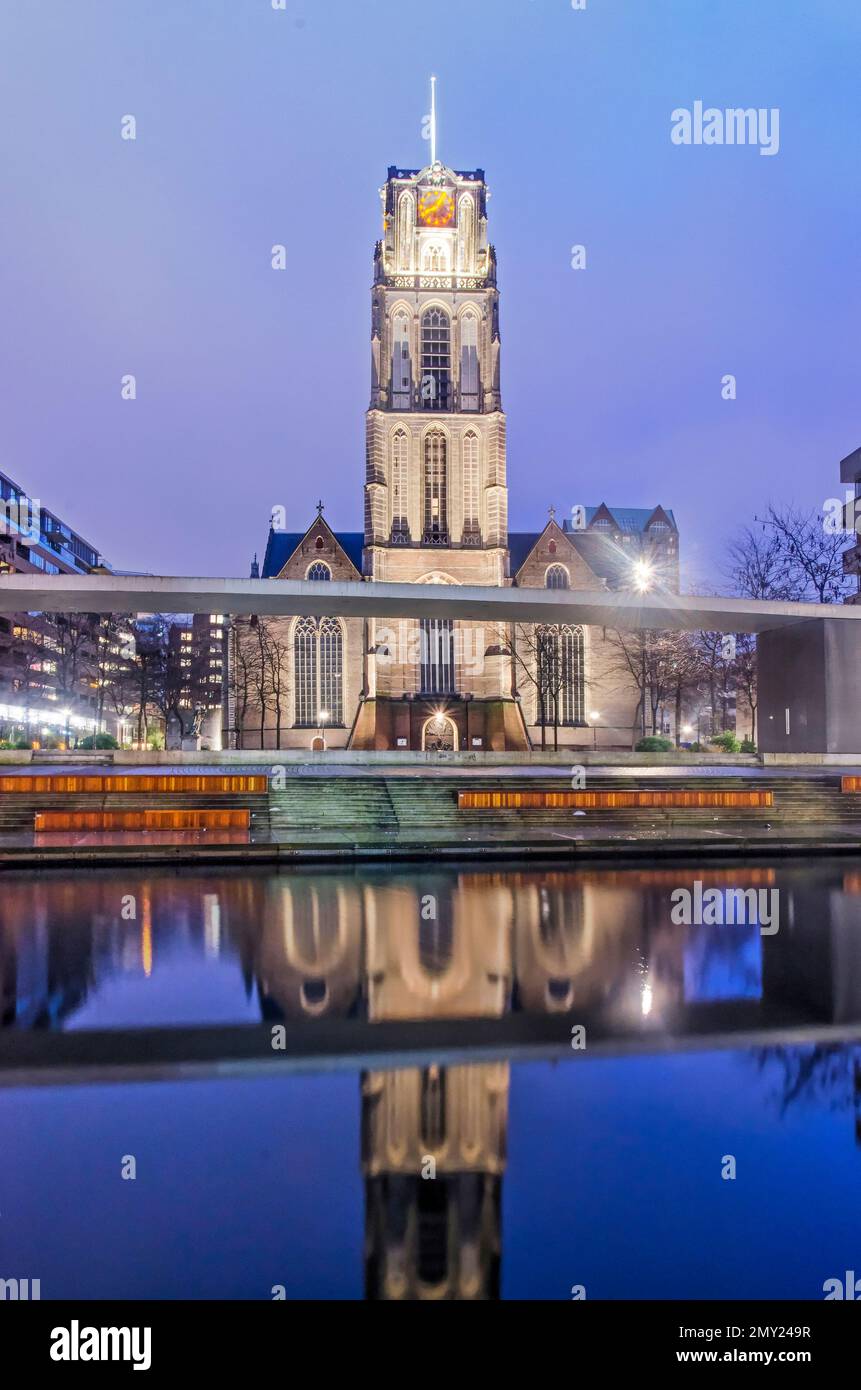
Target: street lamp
x=594 y=716
x=322 y=716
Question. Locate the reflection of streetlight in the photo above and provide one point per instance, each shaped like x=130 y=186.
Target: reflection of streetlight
x=594 y=716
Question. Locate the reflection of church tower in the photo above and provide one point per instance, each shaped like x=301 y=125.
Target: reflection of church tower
x=433 y=1140
x=433 y=1150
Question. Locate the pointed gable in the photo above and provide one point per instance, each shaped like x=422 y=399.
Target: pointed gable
x=554 y=546
x=290 y=554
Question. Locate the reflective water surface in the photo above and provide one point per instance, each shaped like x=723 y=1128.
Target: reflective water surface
x=504 y=1161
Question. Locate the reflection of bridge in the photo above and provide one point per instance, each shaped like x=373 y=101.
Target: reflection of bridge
x=194 y=1054
x=810 y=667
x=403 y=969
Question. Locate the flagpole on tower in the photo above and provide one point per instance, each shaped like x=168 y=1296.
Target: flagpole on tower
x=433 y=120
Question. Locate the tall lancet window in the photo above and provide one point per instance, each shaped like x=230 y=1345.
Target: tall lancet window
x=573 y=675
x=471 y=525
x=401 y=373
x=406 y=229
x=332 y=671
x=305 y=671
x=318 y=672
x=466 y=234
x=435 y=526
x=469 y=382
x=437 y=656
x=436 y=360
x=400 y=463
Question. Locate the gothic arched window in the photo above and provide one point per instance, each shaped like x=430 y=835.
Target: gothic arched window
x=471 y=475
x=573 y=675
x=406 y=227
x=436 y=360
x=560 y=695
x=318 y=672
x=435 y=526
x=305 y=671
x=401 y=372
x=557 y=578
x=332 y=670
x=399 y=475
x=437 y=656
x=435 y=259
x=319 y=571
x=469 y=377
x=466 y=226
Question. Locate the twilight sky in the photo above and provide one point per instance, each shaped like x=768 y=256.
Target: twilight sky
x=258 y=126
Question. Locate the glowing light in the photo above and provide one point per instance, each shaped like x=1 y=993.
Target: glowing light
x=646 y=1000
x=594 y=714
x=644 y=574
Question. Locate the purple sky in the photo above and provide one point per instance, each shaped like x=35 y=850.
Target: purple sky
x=257 y=126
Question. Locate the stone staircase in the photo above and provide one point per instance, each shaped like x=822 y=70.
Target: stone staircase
x=421 y=811
x=359 y=808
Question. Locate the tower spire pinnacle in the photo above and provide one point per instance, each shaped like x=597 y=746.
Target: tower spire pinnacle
x=433 y=120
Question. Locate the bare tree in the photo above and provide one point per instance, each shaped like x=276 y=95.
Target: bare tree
x=240 y=671
x=744 y=673
x=792 y=556
x=534 y=649
x=277 y=656
x=756 y=565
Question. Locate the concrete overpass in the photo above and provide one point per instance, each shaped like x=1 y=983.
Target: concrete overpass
x=810 y=654
x=595 y=607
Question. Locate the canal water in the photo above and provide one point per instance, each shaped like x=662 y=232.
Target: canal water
x=622 y=1082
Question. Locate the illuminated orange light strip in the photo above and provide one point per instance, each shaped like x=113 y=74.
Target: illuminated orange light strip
x=624 y=878
x=205 y=782
x=486 y=801
x=141 y=820
x=850 y=784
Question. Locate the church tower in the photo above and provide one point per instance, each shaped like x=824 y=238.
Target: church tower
x=436 y=500
x=435 y=427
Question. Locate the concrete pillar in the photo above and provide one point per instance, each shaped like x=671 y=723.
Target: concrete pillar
x=810 y=688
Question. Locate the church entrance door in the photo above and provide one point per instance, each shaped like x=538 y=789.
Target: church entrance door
x=439 y=734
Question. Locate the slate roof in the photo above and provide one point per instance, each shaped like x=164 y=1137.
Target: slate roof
x=629 y=518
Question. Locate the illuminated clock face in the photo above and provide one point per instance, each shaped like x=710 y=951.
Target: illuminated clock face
x=436 y=207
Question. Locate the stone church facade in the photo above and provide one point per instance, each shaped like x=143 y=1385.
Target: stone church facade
x=436 y=511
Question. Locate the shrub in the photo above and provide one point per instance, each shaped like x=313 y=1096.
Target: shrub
x=654 y=743
x=98 y=741
x=748 y=745
x=727 y=742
